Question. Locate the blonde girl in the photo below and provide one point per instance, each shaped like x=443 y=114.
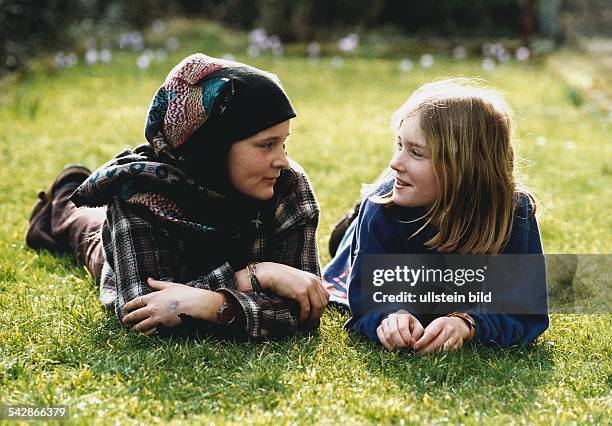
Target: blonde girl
x=450 y=188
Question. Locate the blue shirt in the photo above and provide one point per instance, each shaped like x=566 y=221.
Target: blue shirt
x=381 y=230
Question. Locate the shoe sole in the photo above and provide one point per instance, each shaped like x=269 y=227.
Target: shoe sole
x=45 y=198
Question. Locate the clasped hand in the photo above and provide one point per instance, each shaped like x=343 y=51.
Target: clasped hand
x=401 y=330
x=303 y=287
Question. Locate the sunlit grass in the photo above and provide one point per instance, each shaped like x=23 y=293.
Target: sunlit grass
x=58 y=346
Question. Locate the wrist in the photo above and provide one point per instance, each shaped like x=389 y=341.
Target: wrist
x=263 y=269
x=468 y=327
x=208 y=305
x=465 y=329
x=242 y=281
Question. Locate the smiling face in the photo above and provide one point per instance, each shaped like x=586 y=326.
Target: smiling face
x=415 y=180
x=255 y=163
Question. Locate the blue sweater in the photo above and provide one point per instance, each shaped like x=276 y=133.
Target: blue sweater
x=377 y=230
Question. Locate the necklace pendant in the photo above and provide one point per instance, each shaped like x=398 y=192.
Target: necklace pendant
x=257 y=222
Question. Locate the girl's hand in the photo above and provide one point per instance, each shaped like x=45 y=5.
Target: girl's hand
x=443 y=334
x=164 y=305
x=399 y=330
x=303 y=287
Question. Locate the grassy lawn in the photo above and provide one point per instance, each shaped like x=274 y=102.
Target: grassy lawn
x=58 y=345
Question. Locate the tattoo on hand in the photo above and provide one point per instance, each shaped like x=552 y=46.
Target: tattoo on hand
x=173 y=305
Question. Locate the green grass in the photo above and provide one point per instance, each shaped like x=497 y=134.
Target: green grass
x=58 y=346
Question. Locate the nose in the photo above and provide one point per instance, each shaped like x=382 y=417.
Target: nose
x=281 y=161
x=396 y=164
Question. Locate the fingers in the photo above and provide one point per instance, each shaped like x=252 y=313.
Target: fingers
x=318 y=298
x=436 y=344
x=453 y=343
x=144 y=325
x=416 y=329
x=431 y=332
x=380 y=332
x=159 y=285
x=322 y=292
x=395 y=335
x=304 y=301
x=440 y=335
x=403 y=325
x=135 y=303
x=151 y=331
x=316 y=305
x=135 y=316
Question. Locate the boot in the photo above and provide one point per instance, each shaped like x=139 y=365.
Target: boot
x=39 y=234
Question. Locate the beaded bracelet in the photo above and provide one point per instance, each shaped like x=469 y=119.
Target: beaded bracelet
x=252 y=270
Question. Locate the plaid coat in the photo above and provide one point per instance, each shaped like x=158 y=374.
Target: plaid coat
x=150 y=233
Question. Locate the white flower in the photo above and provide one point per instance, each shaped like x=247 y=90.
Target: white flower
x=426 y=60
x=122 y=41
x=348 y=43
x=253 y=51
x=488 y=64
x=105 y=56
x=336 y=62
x=406 y=65
x=258 y=36
x=91 y=56
x=71 y=59
x=459 y=53
x=522 y=54
x=59 y=60
x=172 y=43
x=143 y=61
x=273 y=41
x=132 y=39
x=275 y=45
x=570 y=145
x=314 y=49
x=503 y=55
x=496 y=49
x=541 y=141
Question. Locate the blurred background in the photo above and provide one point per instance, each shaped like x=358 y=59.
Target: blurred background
x=29 y=28
x=63 y=33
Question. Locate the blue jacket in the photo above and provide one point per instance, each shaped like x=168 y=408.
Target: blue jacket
x=377 y=230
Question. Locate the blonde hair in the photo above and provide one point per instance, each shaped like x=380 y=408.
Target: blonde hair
x=469 y=131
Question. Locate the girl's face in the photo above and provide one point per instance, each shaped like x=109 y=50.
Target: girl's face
x=255 y=163
x=415 y=180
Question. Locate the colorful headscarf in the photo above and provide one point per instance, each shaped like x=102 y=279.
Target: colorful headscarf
x=234 y=100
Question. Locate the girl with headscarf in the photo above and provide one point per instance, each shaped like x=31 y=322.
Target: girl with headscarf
x=209 y=226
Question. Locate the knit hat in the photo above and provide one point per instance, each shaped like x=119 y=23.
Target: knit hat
x=221 y=101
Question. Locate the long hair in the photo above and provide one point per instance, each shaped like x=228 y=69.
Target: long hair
x=469 y=131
